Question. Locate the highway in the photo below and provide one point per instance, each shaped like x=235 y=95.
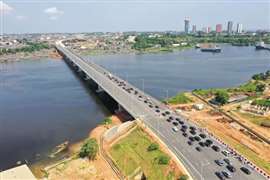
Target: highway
x=142 y=106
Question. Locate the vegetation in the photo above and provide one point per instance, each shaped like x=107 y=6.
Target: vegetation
x=222 y=97
x=180 y=98
x=258 y=120
x=29 y=48
x=261 y=102
x=153 y=146
x=107 y=121
x=89 y=148
x=132 y=152
x=183 y=177
x=163 y=159
x=261 y=76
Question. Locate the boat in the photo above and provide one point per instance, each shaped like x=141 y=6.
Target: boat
x=210 y=48
x=260 y=45
x=59 y=148
x=197 y=46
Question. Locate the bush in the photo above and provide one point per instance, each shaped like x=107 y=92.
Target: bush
x=107 y=121
x=163 y=159
x=222 y=97
x=89 y=148
x=152 y=147
x=183 y=177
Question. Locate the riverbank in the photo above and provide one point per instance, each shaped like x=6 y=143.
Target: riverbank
x=73 y=167
x=44 y=53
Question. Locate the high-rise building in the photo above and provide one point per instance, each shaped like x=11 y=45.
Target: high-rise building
x=208 y=29
x=239 y=29
x=218 y=28
x=194 y=29
x=230 y=27
x=187 y=25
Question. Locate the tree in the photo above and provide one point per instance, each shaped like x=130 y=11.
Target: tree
x=152 y=147
x=222 y=97
x=183 y=177
x=89 y=148
x=260 y=87
x=163 y=159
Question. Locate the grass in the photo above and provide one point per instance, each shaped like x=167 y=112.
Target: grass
x=253 y=118
x=131 y=152
x=180 y=98
x=107 y=121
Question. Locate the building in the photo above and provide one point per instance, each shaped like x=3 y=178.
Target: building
x=218 y=28
x=17 y=173
x=187 y=21
x=208 y=30
x=194 y=29
x=230 y=27
x=239 y=29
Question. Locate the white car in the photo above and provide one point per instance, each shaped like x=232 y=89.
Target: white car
x=175 y=129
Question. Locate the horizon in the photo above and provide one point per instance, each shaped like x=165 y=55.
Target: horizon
x=30 y=17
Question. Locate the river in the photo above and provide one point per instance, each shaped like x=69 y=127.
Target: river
x=42 y=102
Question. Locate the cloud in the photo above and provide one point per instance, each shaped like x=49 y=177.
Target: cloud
x=53 y=13
x=20 y=18
x=5 y=8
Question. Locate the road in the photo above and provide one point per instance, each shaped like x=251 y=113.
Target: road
x=201 y=164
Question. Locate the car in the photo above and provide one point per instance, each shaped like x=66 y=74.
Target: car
x=219 y=162
x=220 y=175
x=198 y=149
x=185 y=134
x=225 y=153
x=183 y=130
x=157 y=110
x=192 y=128
x=177 y=119
x=226 y=174
x=245 y=170
x=197 y=138
x=150 y=106
x=202 y=135
x=171 y=117
x=226 y=160
x=191 y=138
x=163 y=114
x=167 y=112
x=180 y=122
x=209 y=141
x=190 y=143
x=215 y=148
x=201 y=144
x=175 y=123
x=231 y=168
x=145 y=101
x=184 y=126
x=175 y=129
x=168 y=120
x=157 y=107
x=192 y=132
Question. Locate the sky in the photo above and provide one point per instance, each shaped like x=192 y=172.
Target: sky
x=45 y=16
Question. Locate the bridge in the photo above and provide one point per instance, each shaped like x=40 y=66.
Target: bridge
x=154 y=114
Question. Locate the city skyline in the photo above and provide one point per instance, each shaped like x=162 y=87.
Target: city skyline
x=112 y=16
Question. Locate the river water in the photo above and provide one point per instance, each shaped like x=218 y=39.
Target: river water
x=42 y=102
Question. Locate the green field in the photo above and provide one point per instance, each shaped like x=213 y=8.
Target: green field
x=253 y=118
x=180 y=98
x=131 y=153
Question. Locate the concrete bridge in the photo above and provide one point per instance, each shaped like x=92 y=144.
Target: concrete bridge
x=154 y=114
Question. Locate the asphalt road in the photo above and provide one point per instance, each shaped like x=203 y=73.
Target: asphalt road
x=200 y=165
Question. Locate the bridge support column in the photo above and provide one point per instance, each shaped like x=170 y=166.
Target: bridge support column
x=99 y=89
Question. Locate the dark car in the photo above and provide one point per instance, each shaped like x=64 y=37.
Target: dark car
x=192 y=132
x=177 y=119
x=231 y=168
x=245 y=170
x=192 y=128
x=157 y=110
x=167 y=112
x=220 y=175
x=201 y=144
x=190 y=143
x=171 y=117
x=150 y=106
x=168 y=120
x=215 y=148
x=191 y=138
x=175 y=123
x=180 y=122
x=197 y=138
x=202 y=135
x=226 y=174
x=183 y=130
x=184 y=126
x=185 y=134
x=156 y=107
x=198 y=148
x=226 y=160
x=163 y=114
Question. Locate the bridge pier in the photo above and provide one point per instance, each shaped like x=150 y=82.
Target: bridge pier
x=99 y=89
